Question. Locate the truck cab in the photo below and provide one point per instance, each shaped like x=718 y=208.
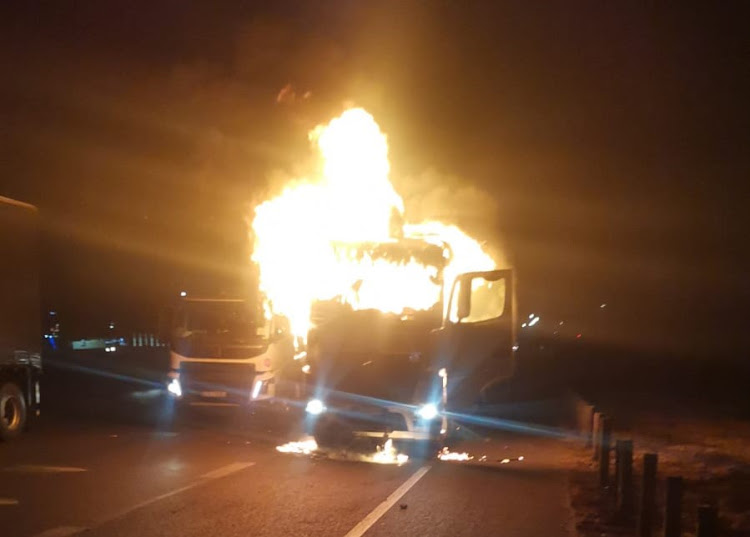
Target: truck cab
x=402 y=376
x=224 y=352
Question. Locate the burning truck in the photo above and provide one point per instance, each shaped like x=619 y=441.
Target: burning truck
x=378 y=375
x=395 y=325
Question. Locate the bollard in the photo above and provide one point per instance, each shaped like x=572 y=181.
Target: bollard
x=648 y=495
x=587 y=419
x=708 y=520
x=624 y=476
x=595 y=426
x=673 y=508
x=605 y=432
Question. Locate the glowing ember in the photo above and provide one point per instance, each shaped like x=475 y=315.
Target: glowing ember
x=303 y=447
x=388 y=455
x=298 y=234
x=447 y=455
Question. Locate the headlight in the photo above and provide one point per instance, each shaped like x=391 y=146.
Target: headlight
x=174 y=388
x=257 y=388
x=315 y=407
x=427 y=412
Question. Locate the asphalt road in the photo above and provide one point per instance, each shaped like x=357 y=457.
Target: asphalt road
x=218 y=473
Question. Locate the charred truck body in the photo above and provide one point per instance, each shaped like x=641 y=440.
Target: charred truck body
x=20 y=320
x=400 y=376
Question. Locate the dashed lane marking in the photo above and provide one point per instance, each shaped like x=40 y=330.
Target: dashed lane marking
x=66 y=531
x=61 y=531
x=226 y=470
x=42 y=469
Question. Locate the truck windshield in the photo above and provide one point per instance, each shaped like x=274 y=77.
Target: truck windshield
x=232 y=317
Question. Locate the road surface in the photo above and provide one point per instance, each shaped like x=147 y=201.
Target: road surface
x=218 y=473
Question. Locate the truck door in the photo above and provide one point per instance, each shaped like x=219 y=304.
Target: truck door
x=476 y=341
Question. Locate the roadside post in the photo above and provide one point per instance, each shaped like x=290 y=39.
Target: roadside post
x=648 y=495
x=673 y=508
x=595 y=432
x=605 y=433
x=624 y=476
x=708 y=520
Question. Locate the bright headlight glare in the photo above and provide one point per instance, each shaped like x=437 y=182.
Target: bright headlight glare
x=174 y=388
x=315 y=407
x=257 y=388
x=427 y=412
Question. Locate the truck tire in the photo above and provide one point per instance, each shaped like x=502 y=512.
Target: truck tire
x=12 y=411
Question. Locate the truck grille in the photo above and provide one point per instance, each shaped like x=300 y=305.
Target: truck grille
x=236 y=380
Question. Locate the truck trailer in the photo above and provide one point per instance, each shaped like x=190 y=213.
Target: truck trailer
x=20 y=317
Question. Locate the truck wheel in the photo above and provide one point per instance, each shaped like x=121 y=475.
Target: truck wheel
x=12 y=411
x=331 y=433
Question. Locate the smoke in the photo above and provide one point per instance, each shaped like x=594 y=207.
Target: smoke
x=450 y=199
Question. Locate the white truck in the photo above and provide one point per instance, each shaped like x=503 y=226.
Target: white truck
x=224 y=352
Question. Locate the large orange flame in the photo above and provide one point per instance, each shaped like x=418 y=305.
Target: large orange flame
x=351 y=200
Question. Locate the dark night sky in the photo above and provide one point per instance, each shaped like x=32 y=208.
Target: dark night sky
x=612 y=136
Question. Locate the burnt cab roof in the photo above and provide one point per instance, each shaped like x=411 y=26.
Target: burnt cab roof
x=399 y=250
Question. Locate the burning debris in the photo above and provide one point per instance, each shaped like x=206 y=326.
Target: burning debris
x=351 y=200
x=385 y=454
x=303 y=447
x=448 y=455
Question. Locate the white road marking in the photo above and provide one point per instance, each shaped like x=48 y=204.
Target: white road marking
x=61 y=531
x=42 y=469
x=226 y=470
x=214 y=474
x=8 y=501
x=380 y=510
x=65 y=531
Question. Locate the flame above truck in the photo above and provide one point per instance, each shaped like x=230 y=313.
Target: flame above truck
x=300 y=235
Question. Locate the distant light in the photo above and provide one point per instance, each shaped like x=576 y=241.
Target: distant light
x=561 y=323
x=53 y=313
x=183 y=293
x=111 y=325
x=520 y=458
x=578 y=336
x=523 y=325
x=256 y=388
x=442 y=373
x=534 y=321
x=531 y=315
x=306 y=368
x=603 y=305
x=515 y=347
